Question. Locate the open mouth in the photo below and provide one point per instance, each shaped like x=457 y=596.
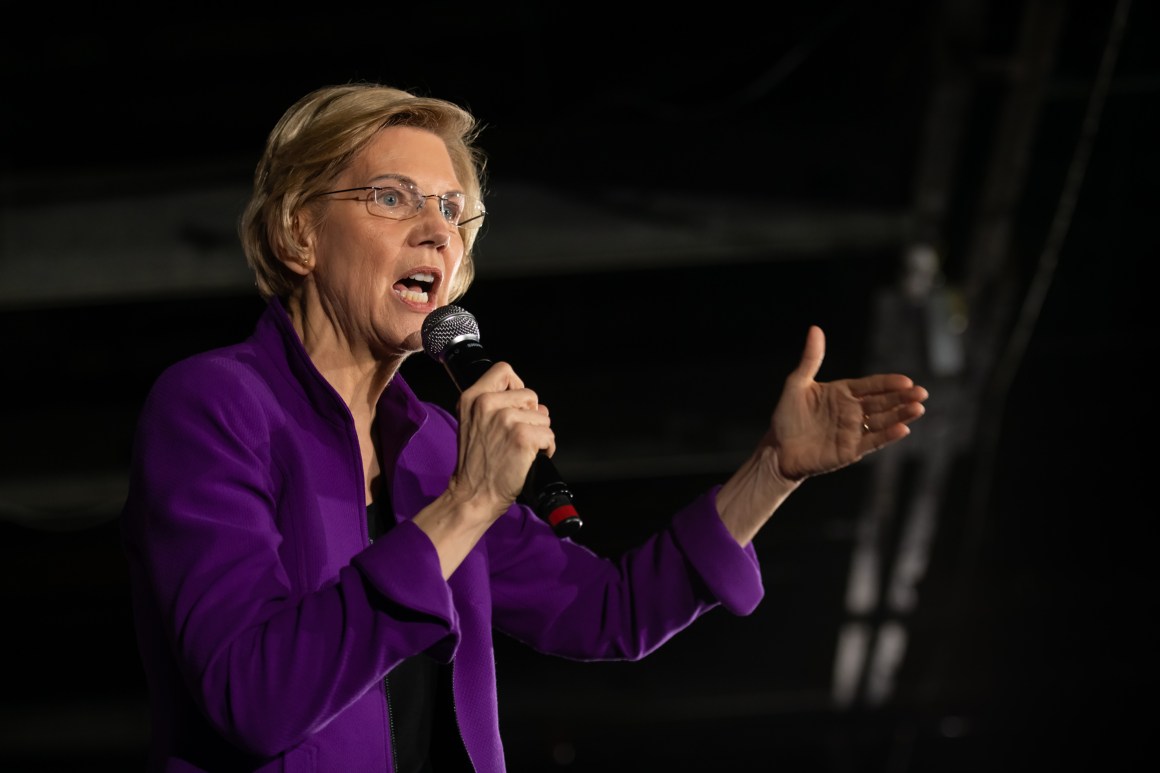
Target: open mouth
x=416 y=286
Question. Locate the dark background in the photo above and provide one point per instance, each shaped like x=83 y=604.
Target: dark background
x=1015 y=140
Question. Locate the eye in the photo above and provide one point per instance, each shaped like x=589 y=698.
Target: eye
x=391 y=198
x=452 y=206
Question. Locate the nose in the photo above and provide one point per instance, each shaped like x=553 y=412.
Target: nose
x=431 y=227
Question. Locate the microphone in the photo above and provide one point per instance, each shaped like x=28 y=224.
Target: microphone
x=451 y=336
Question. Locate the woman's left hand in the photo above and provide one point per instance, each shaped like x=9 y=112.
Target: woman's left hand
x=818 y=427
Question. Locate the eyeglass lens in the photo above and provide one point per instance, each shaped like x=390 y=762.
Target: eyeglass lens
x=400 y=202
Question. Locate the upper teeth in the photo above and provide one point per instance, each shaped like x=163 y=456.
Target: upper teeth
x=422 y=276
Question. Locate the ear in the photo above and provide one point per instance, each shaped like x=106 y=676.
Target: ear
x=298 y=256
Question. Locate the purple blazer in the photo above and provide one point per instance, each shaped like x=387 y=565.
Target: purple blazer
x=266 y=618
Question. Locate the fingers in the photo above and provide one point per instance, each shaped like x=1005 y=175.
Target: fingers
x=880 y=421
x=499 y=377
x=516 y=413
x=879 y=439
x=511 y=406
x=886 y=416
x=879 y=402
x=882 y=384
x=525 y=429
x=499 y=400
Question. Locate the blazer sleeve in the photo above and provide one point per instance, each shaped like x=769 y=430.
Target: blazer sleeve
x=561 y=598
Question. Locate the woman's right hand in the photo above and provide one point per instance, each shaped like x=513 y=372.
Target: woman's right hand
x=502 y=426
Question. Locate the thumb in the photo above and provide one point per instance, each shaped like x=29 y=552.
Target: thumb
x=812 y=355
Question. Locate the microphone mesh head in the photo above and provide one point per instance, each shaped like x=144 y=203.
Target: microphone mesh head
x=446 y=325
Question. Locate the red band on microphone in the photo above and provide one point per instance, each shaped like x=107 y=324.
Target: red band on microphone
x=562 y=513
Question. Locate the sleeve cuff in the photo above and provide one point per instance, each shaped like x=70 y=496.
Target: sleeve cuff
x=730 y=572
x=403 y=567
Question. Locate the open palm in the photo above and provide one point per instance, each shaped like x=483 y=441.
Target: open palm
x=818 y=427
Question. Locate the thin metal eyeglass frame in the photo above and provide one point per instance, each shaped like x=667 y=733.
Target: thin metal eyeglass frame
x=423 y=196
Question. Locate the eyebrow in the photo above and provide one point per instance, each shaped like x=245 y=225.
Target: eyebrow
x=390 y=176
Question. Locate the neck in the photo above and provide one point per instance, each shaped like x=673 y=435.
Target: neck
x=347 y=364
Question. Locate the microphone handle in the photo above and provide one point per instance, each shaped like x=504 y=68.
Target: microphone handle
x=545 y=492
x=544 y=489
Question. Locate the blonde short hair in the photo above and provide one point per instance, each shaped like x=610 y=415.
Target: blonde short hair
x=314 y=141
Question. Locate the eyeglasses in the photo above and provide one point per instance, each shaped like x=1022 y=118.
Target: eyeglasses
x=403 y=200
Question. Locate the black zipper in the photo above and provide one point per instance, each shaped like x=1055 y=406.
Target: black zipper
x=391 y=724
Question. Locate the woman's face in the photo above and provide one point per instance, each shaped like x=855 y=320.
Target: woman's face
x=375 y=278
